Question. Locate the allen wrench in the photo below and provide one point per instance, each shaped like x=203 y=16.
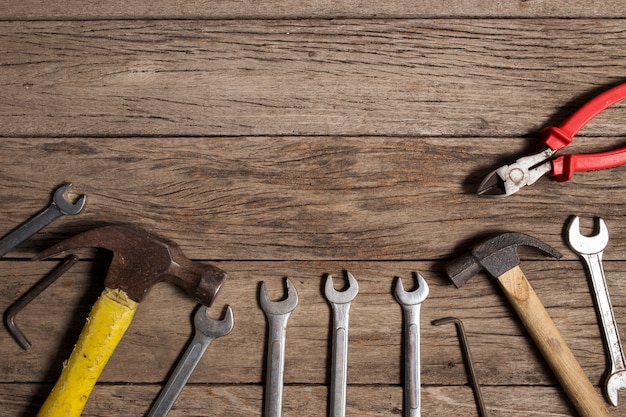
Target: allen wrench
x=30 y=295
x=469 y=364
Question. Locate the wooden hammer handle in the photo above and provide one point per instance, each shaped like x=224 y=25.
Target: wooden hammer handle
x=551 y=344
x=109 y=318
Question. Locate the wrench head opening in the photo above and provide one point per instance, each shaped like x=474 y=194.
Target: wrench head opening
x=66 y=206
x=279 y=307
x=213 y=328
x=587 y=245
x=416 y=296
x=613 y=384
x=341 y=297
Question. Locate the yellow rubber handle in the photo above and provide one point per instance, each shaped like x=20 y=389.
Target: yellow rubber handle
x=109 y=318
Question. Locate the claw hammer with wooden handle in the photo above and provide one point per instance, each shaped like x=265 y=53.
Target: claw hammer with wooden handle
x=498 y=256
x=140 y=260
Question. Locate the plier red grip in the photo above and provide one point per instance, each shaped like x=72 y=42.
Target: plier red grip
x=508 y=179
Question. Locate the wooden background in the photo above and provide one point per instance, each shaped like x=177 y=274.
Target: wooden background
x=297 y=139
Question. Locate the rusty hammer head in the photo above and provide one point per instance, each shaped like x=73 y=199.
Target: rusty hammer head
x=496 y=255
x=141 y=259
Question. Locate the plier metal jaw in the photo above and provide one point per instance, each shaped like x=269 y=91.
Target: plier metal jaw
x=509 y=179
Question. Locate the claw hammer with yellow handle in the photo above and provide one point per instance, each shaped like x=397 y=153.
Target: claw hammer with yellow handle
x=140 y=260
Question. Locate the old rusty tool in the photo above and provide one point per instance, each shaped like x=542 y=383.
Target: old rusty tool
x=140 y=260
x=498 y=256
x=58 y=207
x=469 y=363
x=509 y=179
x=411 y=302
x=340 y=302
x=277 y=313
x=590 y=249
x=205 y=331
x=30 y=295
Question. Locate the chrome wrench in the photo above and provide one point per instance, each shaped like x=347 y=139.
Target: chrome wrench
x=57 y=208
x=206 y=330
x=411 y=303
x=590 y=249
x=277 y=313
x=340 y=302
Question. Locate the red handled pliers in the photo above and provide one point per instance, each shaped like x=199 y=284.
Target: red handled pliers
x=508 y=179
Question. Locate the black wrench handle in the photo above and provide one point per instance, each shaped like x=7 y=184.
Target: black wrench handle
x=29 y=228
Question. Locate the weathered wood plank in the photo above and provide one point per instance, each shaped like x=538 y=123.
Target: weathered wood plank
x=37 y=9
x=236 y=401
x=304 y=77
x=298 y=148
x=503 y=353
x=307 y=198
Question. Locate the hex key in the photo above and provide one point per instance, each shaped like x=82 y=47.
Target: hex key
x=30 y=295
x=469 y=364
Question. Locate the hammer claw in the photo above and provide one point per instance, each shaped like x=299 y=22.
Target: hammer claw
x=498 y=256
x=140 y=260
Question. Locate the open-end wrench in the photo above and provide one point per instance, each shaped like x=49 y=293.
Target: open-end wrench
x=58 y=207
x=411 y=303
x=590 y=249
x=340 y=302
x=277 y=313
x=206 y=330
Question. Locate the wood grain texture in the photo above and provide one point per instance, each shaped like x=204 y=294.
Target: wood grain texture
x=290 y=139
x=90 y=9
x=304 y=198
x=240 y=400
x=315 y=77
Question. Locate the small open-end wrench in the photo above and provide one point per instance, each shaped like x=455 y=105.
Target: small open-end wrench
x=206 y=330
x=340 y=302
x=411 y=303
x=58 y=207
x=590 y=249
x=277 y=313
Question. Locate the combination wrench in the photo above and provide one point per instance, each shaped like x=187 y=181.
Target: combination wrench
x=340 y=302
x=277 y=313
x=590 y=249
x=206 y=330
x=411 y=302
x=57 y=208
